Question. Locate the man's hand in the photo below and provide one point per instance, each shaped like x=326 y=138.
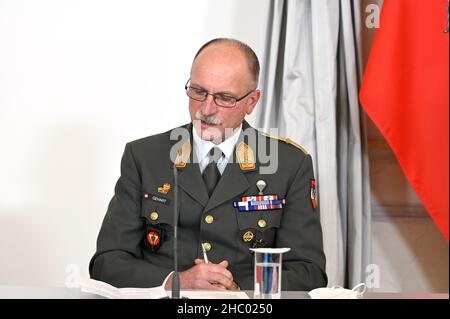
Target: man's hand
x=206 y=276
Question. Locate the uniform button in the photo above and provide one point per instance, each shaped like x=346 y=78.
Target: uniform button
x=207 y=246
x=262 y=223
x=154 y=215
x=209 y=219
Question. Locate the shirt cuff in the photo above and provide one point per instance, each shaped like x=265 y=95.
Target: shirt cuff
x=167 y=278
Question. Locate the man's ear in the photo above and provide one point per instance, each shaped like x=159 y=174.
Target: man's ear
x=252 y=101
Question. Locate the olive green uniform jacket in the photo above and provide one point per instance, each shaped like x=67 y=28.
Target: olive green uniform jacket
x=135 y=243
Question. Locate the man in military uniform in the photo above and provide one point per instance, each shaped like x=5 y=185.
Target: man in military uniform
x=226 y=203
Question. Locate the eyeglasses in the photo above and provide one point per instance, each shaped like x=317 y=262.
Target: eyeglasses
x=221 y=99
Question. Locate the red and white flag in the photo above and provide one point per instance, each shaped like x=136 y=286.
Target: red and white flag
x=405 y=91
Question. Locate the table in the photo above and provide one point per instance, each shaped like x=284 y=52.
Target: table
x=26 y=292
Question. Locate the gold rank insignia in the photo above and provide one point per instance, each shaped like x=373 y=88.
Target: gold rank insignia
x=164 y=189
x=183 y=155
x=286 y=140
x=245 y=157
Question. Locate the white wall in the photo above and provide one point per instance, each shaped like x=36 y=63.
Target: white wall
x=78 y=79
x=411 y=254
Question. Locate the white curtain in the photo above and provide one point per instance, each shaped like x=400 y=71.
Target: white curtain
x=311 y=71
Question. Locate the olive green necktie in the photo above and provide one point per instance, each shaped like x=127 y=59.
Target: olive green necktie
x=211 y=174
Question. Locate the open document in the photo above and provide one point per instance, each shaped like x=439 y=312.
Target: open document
x=106 y=290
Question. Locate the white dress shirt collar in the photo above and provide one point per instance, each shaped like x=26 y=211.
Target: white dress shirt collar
x=203 y=147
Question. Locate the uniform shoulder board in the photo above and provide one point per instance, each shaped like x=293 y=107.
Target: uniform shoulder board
x=286 y=140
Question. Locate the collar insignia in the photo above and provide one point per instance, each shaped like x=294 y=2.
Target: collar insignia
x=183 y=155
x=245 y=157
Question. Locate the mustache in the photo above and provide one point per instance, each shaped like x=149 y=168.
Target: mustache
x=214 y=120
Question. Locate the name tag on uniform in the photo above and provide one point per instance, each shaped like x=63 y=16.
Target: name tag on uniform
x=264 y=202
x=157 y=199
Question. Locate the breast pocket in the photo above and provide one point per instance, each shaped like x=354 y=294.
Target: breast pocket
x=258 y=228
x=159 y=226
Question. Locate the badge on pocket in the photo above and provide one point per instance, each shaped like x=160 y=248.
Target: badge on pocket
x=153 y=238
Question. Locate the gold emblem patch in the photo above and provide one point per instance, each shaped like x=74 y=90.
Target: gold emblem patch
x=164 y=189
x=248 y=236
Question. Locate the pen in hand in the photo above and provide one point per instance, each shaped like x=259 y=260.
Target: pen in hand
x=205 y=257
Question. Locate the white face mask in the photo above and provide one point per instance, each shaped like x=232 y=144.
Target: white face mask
x=337 y=292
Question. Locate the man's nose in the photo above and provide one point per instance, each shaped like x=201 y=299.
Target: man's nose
x=209 y=107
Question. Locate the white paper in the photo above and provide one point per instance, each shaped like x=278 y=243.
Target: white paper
x=106 y=290
x=213 y=294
